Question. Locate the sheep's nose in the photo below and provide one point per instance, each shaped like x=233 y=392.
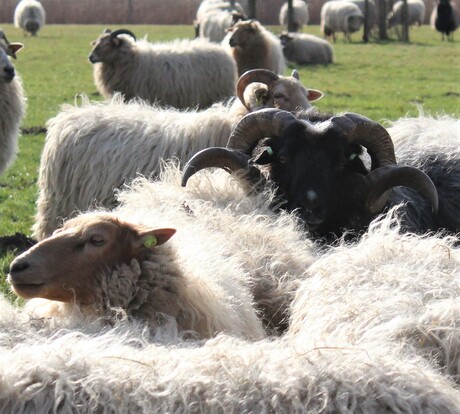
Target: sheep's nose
x=18 y=266
x=9 y=72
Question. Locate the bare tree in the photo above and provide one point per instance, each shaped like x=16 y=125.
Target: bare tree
x=252 y=9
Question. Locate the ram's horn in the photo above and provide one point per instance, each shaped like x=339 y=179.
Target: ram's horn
x=123 y=31
x=264 y=76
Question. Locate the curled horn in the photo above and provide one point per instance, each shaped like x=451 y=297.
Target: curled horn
x=255 y=75
x=123 y=31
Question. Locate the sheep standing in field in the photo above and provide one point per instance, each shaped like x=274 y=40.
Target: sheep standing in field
x=301 y=15
x=29 y=16
x=415 y=8
x=445 y=19
x=12 y=103
x=182 y=74
x=340 y=16
x=213 y=18
x=306 y=49
x=254 y=47
x=92 y=150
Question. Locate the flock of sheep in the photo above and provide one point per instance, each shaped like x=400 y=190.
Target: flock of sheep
x=251 y=254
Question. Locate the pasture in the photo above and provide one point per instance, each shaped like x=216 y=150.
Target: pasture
x=383 y=81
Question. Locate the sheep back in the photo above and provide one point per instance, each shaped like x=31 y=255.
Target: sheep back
x=304 y=49
x=416 y=10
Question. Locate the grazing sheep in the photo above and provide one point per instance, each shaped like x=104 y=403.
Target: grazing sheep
x=372 y=20
x=416 y=11
x=98 y=261
x=340 y=16
x=445 y=19
x=84 y=144
x=254 y=47
x=314 y=160
x=215 y=17
x=301 y=15
x=306 y=49
x=181 y=73
x=12 y=103
x=30 y=16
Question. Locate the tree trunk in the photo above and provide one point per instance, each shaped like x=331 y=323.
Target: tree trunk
x=290 y=17
x=252 y=9
x=382 y=20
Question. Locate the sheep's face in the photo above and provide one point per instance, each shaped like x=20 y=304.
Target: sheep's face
x=105 y=49
x=7 y=72
x=66 y=266
x=289 y=94
x=243 y=32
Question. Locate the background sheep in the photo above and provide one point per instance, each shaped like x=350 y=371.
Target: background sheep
x=305 y=49
x=93 y=149
x=445 y=19
x=12 y=103
x=340 y=16
x=254 y=47
x=215 y=17
x=30 y=16
x=416 y=11
x=300 y=17
x=181 y=73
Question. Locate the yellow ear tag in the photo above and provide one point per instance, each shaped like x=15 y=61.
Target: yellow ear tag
x=150 y=241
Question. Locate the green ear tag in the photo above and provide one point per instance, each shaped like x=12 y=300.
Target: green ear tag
x=150 y=241
x=270 y=151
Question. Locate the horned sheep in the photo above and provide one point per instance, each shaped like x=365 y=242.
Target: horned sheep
x=30 y=16
x=93 y=149
x=182 y=73
x=306 y=49
x=301 y=15
x=12 y=102
x=254 y=47
x=416 y=13
x=340 y=16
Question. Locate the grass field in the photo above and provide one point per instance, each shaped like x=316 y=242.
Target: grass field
x=383 y=81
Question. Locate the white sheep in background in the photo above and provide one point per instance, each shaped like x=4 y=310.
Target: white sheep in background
x=215 y=17
x=12 y=103
x=181 y=73
x=301 y=15
x=93 y=149
x=306 y=49
x=372 y=12
x=416 y=10
x=30 y=16
x=254 y=47
x=340 y=16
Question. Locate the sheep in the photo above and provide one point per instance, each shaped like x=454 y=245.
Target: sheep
x=254 y=47
x=182 y=73
x=315 y=162
x=84 y=144
x=415 y=9
x=306 y=49
x=340 y=16
x=30 y=16
x=12 y=103
x=445 y=19
x=214 y=17
x=300 y=17
x=372 y=12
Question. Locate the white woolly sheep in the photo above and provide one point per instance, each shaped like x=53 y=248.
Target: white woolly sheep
x=93 y=149
x=181 y=73
x=306 y=49
x=301 y=15
x=254 y=47
x=30 y=16
x=12 y=103
x=416 y=10
x=372 y=12
x=340 y=16
x=215 y=17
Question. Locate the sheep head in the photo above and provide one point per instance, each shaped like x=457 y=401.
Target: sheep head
x=7 y=49
x=108 y=45
x=66 y=266
x=316 y=167
x=243 y=32
x=274 y=91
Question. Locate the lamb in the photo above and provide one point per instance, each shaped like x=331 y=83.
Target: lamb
x=30 y=16
x=314 y=160
x=12 y=102
x=306 y=49
x=340 y=16
x=416 y=11
x=215 y=17
x=182 y=74
x=445 y=19
x=300 y=18
x=254 y=47
x=84 y=144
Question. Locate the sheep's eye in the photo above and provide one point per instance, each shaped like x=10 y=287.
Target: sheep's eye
x=97 y=240
x=282 y=159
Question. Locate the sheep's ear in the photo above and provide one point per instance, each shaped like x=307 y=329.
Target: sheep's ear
x=13 y=48
x=314 y=95
x=156 y=237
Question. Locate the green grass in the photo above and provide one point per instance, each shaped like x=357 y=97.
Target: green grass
x=384 y=80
